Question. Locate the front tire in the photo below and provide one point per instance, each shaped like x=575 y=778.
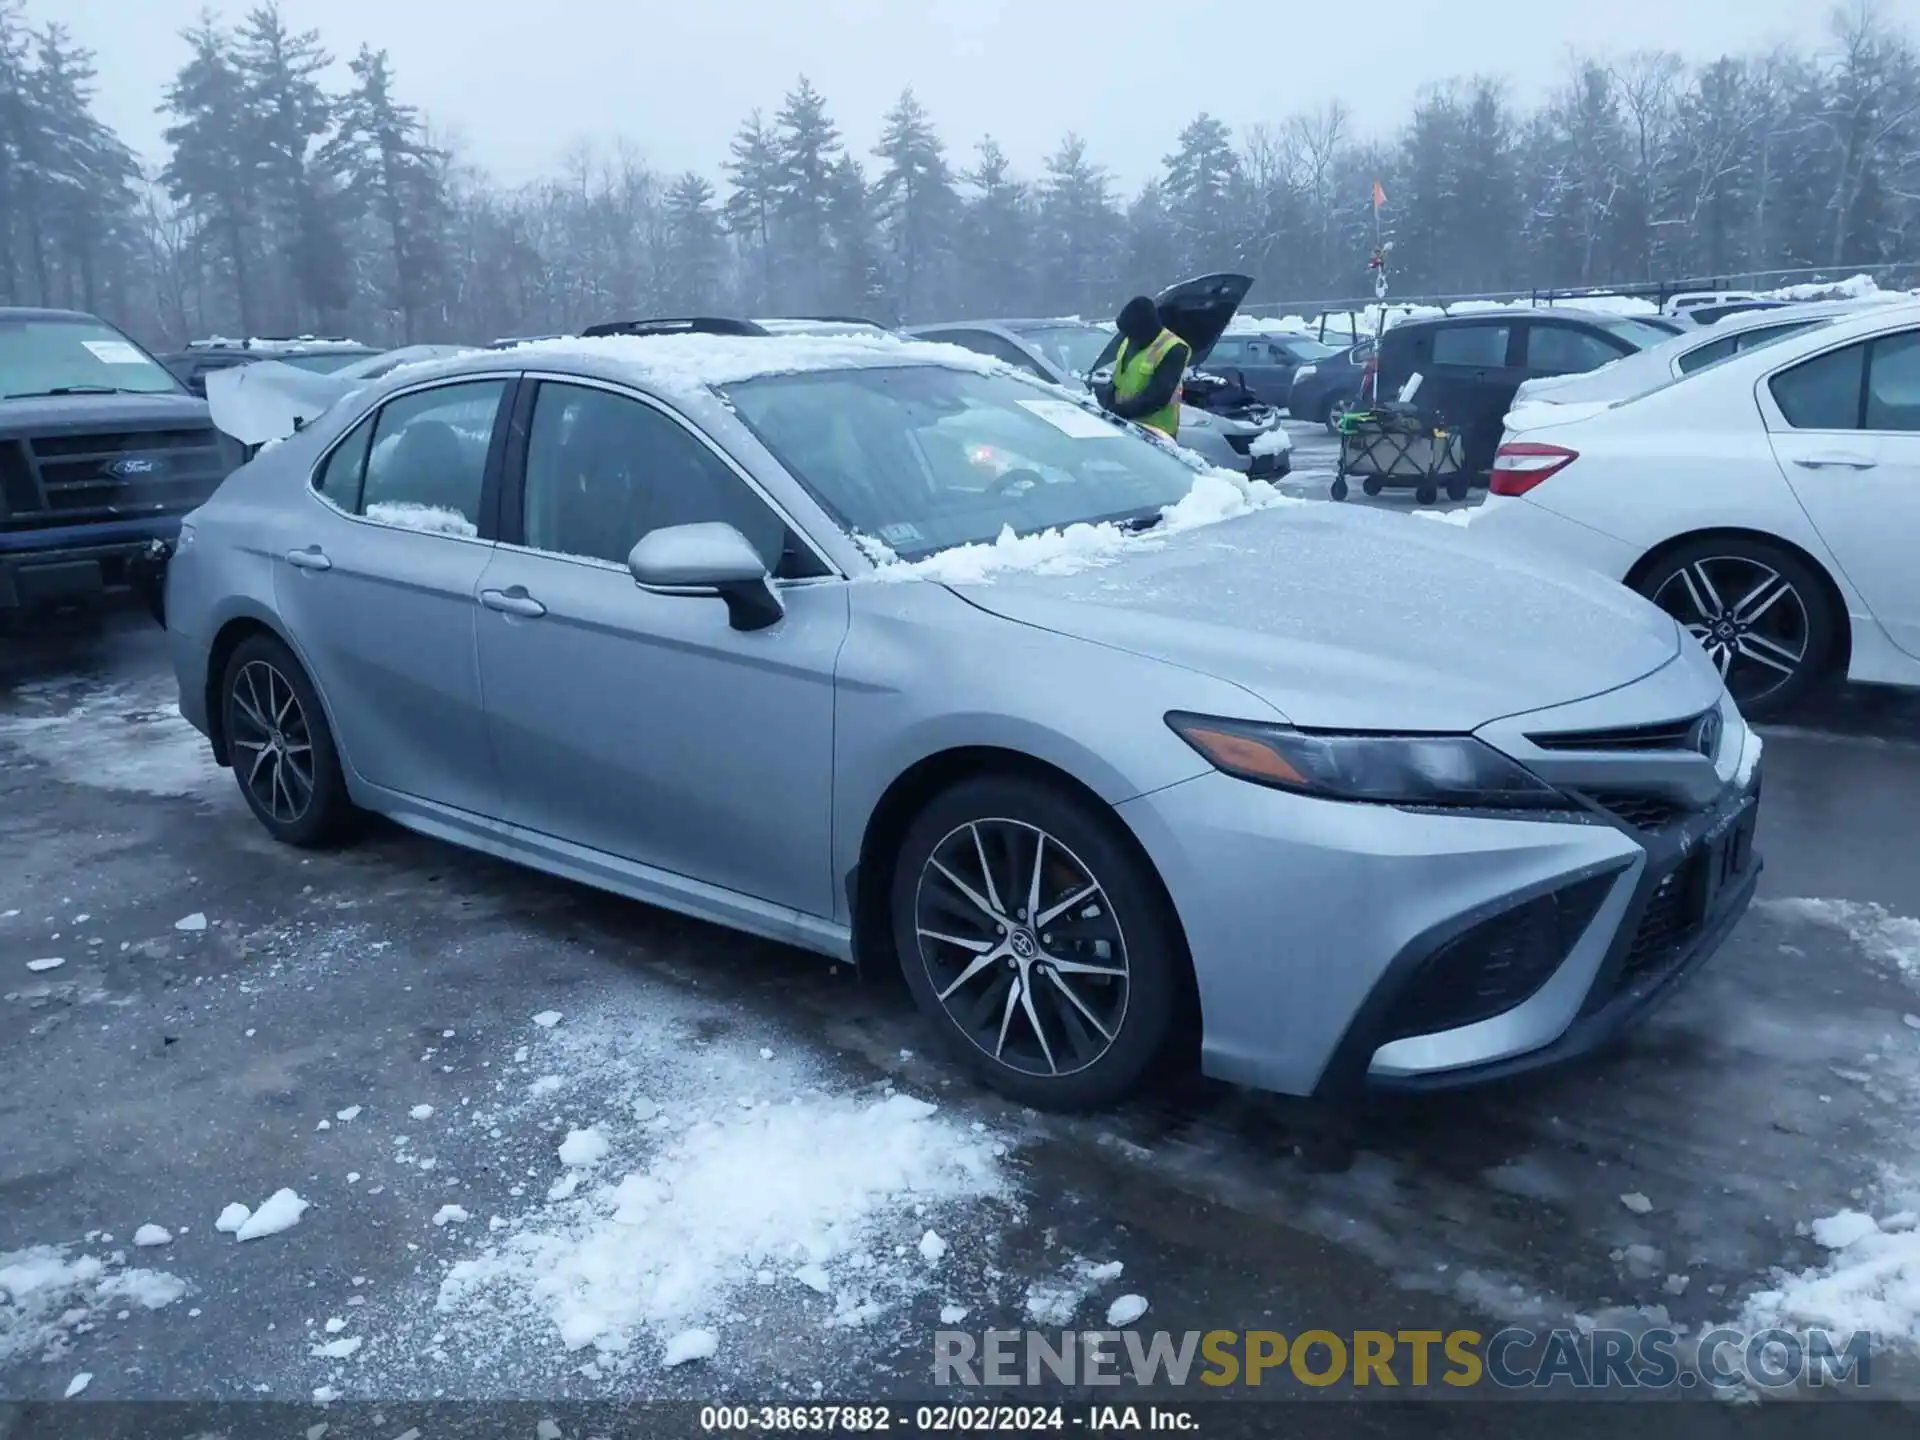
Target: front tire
x=1764 y=616
x=282 y=751
x=1037 y=942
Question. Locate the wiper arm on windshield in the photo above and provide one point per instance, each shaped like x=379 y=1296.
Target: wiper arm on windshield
x=74 y=390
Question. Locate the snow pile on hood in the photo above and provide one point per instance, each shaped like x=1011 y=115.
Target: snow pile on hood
x=1275 y=442
x=46 y=1293
x=1216 y=495
x=1871 y=1281
x=1889 y=939
x=785 y=1193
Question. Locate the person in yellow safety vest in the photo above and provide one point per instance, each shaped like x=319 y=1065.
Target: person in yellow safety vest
x=1147 y=369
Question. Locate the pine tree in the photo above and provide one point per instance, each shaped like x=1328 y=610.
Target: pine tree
x=695 y=247
x=380 y=151
x=1080 y=232
x=996 y=256
x=212 y=169
x=1155 y=242
x=750 y=210
x=856 y=281
x=290 y=116
x=1202 y=187
x=809 y=144
x=919 y=205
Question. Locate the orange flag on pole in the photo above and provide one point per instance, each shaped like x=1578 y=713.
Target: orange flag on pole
x=1379 y=195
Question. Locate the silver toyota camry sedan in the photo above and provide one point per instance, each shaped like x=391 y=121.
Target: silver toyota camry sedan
x=882 y=650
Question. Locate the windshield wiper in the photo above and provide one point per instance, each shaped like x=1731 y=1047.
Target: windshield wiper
x=74 y=390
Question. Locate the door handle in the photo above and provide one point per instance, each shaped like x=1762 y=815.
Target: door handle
x=1835 y=462
x=312 y=558
x=512 y=602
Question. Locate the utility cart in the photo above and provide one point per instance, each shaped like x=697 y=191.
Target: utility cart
x=1397 y=445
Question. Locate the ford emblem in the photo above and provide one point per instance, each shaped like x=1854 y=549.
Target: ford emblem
x=135 y=466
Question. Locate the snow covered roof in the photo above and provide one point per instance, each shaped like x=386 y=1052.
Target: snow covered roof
x=685 y=363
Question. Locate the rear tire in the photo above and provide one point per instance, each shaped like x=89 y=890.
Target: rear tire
x=1072 y=1012
x=1765 y=616
x=282 y=751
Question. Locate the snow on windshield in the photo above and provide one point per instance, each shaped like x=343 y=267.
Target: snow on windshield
x=1216 y=495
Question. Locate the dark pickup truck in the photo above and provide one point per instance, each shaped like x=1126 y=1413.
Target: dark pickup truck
x=101 y=452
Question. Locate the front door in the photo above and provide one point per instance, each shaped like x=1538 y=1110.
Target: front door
x=642 y=724
x=1845 y=426
x=376 y=581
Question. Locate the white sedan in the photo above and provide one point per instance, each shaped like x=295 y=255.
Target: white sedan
x=1683 y=354
x=1770 y=503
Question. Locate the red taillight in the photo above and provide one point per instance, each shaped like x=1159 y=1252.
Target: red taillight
x=1519 y=465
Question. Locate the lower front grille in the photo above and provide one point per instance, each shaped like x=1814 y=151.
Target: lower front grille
x=1670 y=921
x=1496 y=964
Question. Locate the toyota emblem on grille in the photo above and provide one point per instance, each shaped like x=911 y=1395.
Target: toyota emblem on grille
x=133 y=467
x=1706 y=734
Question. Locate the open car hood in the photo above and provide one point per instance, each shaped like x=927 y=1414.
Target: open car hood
x=269 y=401
x=1197 y=310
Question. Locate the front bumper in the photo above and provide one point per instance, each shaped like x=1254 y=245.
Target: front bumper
x=1316 y=929
x=52 y=567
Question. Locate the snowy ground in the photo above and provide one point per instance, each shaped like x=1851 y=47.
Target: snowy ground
x=540 y=1142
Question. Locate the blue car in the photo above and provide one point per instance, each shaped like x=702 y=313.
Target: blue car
x=1325 y=389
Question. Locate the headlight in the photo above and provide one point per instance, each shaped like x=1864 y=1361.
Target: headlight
x=1382 y=769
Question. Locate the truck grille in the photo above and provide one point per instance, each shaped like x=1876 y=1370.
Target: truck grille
x=53 y=480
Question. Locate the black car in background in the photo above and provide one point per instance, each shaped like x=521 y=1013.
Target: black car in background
x=1323 y=390
x=1471 y=365
x=102 y=450
x=1265 y=362
x=322 y=355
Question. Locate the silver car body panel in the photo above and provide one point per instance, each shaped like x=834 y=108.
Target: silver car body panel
x=634 y=741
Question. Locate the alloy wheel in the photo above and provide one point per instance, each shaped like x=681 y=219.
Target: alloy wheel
x=271 y=744
x=1021 y=947
x=1748 y=617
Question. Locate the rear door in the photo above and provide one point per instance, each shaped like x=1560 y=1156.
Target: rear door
x=1556 y=347
x=1470 y=372
x=378 y=588
x=1845 y=425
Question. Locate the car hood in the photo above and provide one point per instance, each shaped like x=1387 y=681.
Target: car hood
x=1199 y=310
x=41 y=414
x=1354 y=618
x=268 y=400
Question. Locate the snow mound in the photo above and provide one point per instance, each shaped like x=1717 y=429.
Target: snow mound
x=128 y=737
x=583 y=1148
x=279 y=1211
x=802 y=1184
x=1275 y=442
x=1462 y=518
x=1881 y=935
x=152 y=1235
x=1216 y=495
x=1870 y=1282
x=46 y=1292
x=1054 y=1301
x=434 y=519
x=690 y=1345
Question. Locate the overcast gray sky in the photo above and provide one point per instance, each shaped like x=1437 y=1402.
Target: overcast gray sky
x=519 y=82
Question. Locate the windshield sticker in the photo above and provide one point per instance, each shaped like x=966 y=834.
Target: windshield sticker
x=116 y=352
x=900 y=533
x=1069 y=419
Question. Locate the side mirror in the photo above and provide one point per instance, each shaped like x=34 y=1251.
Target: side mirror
x=710 y=557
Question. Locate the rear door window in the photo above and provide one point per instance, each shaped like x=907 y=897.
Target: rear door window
x=1823 y=393
x=427 y=466
x=1566 y=350
x=340 y=474
x=1471 y=347
x=1893 y=383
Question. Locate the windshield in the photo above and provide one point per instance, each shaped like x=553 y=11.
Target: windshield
x=83 y=357
x=324 y=364
x=1310 y=350
x=1637 y=333
x=1074 y=349
x=923 y=457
